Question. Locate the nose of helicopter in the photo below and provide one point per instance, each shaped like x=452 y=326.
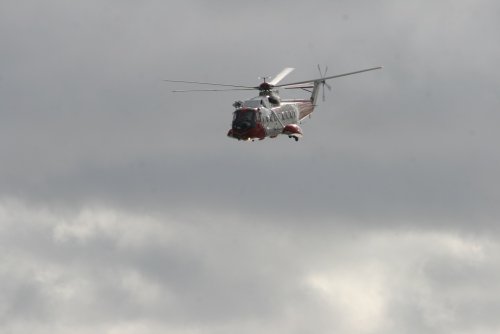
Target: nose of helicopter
x=242 y=126
x=245 y=130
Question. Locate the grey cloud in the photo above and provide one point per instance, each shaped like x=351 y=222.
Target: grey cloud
x=100 y=268
x=135 y=212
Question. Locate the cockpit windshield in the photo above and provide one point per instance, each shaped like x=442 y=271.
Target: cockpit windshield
x=243 y=115
x=244 y=119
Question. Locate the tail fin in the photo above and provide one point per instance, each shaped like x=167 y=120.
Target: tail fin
x=315 y=91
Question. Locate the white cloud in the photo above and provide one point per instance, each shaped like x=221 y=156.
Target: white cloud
x=356 y=296
x=109 y=270
x=125 y=230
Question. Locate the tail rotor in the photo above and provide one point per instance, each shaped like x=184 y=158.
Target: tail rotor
x=323 y=82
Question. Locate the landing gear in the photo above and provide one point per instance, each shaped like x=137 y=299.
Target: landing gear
x=294 y=137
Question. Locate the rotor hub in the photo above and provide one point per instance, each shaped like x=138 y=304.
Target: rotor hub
x=265 y=86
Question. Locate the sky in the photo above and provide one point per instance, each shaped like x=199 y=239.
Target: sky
x=124 y=208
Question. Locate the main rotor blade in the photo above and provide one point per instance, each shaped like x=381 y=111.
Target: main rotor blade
x=330 y=77
x=281 y=75
x=209 y=83
x=209 y=90
x=302 y=86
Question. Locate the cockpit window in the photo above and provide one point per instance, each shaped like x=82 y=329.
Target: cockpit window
x=244 y=119
x=244 y=115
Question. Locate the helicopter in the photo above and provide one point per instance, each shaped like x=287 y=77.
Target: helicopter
x=267 y=115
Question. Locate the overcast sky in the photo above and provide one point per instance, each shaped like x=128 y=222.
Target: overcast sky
x=124 y=208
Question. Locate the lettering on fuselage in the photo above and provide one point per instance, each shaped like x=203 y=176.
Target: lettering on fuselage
x=273 y=120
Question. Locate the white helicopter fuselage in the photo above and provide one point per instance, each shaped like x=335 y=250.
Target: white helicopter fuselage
x=267 y=116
